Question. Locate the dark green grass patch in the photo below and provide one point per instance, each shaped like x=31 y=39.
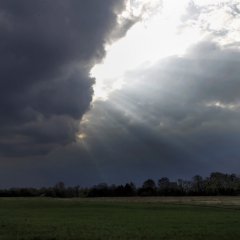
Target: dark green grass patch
x=37 y=219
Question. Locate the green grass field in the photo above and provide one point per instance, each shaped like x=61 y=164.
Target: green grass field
x=122 y=218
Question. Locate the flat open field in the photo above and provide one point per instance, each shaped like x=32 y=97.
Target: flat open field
x=194 y=218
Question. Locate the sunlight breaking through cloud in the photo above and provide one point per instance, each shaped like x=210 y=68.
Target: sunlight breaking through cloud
x=169 y=87
x=154 y=36
x=166 y=29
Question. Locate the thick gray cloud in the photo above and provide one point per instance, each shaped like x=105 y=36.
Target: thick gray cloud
x=47 y=49
x=177 y=118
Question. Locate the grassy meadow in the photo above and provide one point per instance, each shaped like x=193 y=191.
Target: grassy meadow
x=188 y=218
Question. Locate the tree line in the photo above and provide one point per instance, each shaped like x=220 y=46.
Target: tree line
x=216 y=183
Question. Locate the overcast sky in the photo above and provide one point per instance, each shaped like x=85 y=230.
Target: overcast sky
x=116 y=90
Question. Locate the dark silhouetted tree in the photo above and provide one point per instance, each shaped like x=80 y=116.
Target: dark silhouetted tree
x=148 y=188
x=198 y=185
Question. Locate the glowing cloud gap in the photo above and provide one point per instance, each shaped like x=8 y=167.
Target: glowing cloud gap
x=153 y=37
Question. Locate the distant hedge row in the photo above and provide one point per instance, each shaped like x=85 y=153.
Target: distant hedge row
x=215 y=184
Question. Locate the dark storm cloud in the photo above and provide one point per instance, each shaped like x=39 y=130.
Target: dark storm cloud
x=46 y=51
x=177 y=118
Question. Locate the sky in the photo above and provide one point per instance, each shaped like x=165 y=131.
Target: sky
x=118 y=90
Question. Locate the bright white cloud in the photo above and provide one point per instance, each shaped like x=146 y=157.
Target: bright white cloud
x=210 y=2
x=155 y=36
x=224 y=106
x=167 y=27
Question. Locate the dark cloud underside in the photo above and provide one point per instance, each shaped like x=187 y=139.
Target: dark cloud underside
x=46 y=51
x=176 y=118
